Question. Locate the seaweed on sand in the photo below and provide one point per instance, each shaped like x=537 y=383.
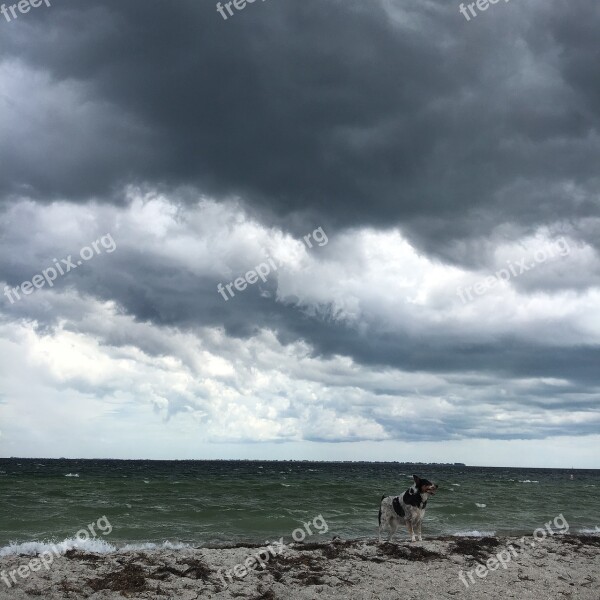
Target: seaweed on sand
x=131 y=578
x=412 y=553
x=480 y=549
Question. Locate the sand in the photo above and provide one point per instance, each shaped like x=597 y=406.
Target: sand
x=558 y=567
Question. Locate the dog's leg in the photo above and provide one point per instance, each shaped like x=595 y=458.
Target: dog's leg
x=411 y=531
x=393 y=526
x=418 y=530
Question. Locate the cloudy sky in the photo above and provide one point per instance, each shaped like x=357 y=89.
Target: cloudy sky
x=450 y=311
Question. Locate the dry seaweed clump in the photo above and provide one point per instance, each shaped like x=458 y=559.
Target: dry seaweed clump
x=129 y=579
x=581 y=540
x=196 y=569
x=265 y=595
x=411 y=553
x=332 y=551
x=302 y=561
x=480 y=549
x=306 y=569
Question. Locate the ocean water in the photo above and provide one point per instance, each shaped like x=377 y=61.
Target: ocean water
x=213 y=503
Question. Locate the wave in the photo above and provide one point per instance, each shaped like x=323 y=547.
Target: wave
x=33 y=548
x=72 y=475
x=480 y=505
x=152 y=546
x=95 y=545
x=473 y=533
x=589 y=530
x=528 y=481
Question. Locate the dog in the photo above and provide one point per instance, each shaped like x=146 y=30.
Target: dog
x=408 y=508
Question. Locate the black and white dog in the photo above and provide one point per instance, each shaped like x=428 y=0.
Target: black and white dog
x=408 y=508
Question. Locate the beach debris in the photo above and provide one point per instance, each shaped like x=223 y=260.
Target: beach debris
x=129 y=579
x=412 y=553
x=479 y=549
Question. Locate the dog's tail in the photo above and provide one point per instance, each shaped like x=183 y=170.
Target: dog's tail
x=379 y=518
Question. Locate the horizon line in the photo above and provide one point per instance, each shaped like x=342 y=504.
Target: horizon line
x=271 y=460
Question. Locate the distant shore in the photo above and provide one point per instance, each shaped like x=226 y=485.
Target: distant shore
x=446 y=567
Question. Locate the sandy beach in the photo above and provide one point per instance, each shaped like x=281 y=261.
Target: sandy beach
x=557 y=567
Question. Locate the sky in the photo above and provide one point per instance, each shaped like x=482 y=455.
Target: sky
x=328 y=230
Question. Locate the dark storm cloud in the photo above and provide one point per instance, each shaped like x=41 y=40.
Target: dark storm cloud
x=337 y=109
x=445 y=126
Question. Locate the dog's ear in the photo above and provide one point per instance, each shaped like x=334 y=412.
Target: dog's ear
x=417 y=479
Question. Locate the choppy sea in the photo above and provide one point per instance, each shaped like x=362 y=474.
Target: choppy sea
x=214 y=503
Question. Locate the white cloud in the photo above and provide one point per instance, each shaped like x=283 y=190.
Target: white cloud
x=101 y=372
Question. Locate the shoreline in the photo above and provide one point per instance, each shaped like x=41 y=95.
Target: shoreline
x=566 y=565
x=124 y=547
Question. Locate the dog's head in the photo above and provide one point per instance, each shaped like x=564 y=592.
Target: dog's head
x=424 y=486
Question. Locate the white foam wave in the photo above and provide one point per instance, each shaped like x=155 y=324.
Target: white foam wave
x=153 y=546
x=480 y=505
x=528 y=481
x=32 y=548
x=473 y=533
x=456 y=484
x=72 y=475
x=588 y=530
x=98 y=546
